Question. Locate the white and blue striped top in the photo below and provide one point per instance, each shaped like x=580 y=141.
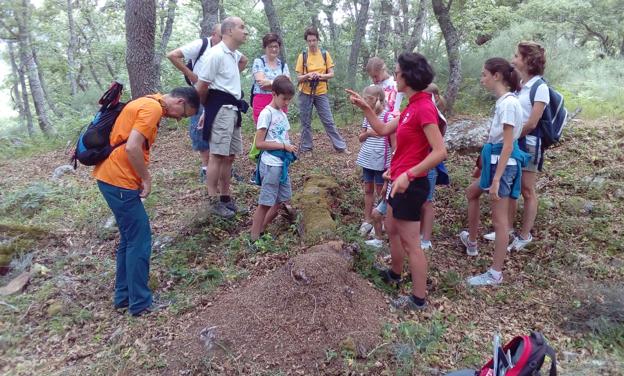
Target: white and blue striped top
x=375 y=152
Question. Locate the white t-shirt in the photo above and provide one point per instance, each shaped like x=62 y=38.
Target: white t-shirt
x=191 y=51
x=277 y=126
x=524 y=96
x=219 y=65
x=393 y=97
x=508 y=111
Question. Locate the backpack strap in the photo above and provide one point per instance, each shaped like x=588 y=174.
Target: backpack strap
x=534 y=89
x=324 y=53
x=305 y=61
x=203 y=48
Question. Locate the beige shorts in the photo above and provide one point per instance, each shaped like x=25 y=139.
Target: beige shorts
x=532 y=166
x=226 y=138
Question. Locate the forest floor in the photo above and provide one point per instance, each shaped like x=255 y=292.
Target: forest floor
x=569 y=284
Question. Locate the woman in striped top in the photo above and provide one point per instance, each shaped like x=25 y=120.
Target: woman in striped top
x=374 y=155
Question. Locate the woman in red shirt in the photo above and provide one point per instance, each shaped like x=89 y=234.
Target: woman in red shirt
x=420 y=147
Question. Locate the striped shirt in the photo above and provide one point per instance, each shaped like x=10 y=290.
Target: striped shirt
x=375 y=151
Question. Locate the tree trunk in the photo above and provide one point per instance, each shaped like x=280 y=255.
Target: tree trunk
x=451 y=39
x=384 y=27
x=28 y=62
x=164 y=40
x=417 y=30
x=71 y=48
x=360 y=28
x=107 y=63
x=210 y=10
x=21 y=99
x=140 y=21
x=274 y=25
x=44 y=87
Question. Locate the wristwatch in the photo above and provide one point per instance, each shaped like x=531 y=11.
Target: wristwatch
x=410 y=175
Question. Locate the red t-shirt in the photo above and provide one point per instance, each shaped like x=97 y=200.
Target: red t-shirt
x=412 y=144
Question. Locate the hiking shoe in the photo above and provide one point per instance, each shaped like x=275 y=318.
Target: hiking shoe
x=202 y=175
x=157 y=305
x=485 y=279
x=121 y=309
x=365 y=228
x=377 y=243
x=387 y=278
x=425 y=244
x=219 y=208
x=471 y=248
x=236 y=176
x=406 y=302
x=519 y=243
x=371 y=234
x=491 y=236
x=231 y=205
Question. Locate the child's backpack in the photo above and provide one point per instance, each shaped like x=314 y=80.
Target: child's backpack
x=554 y=119
x=93 y=145
x=254 y=152
x=527 y=354
x=189 y=63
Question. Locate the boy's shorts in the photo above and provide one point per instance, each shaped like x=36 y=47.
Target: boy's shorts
x=370 y=176
x=226 y=137
x=271 y=190
x=432 y=176
x=506 y=181
x=531 y=166
x=407 y=205
x=197 y=135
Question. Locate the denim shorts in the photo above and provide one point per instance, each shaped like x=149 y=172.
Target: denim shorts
x=370 y=176
x=272 y=191
x=197 y=139
x=506 y=181
x=432 y=176
x=531 y=166
x=382 y=207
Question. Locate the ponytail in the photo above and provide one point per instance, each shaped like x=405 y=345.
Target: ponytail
x=507 y=71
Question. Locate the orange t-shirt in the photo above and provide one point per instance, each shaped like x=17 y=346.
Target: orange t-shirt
x=143 y=115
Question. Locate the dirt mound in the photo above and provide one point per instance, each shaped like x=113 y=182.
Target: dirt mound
x=289 y=320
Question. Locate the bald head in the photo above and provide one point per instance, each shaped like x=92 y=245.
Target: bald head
x=233 y=32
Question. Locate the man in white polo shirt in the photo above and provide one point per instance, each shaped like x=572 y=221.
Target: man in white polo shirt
x=193 y=51
x=219 y=89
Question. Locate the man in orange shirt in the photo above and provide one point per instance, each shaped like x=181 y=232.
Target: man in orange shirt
x=123 y=179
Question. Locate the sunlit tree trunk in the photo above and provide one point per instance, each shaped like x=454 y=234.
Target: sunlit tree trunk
x=451 y=39
x=71 y=49
x=211 y=13
x=164 y=39
x=360 y=28
x=21 y=98
x=140 y=21
x=44 y=87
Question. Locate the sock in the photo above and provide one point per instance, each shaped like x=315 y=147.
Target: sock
x=418 y=301
x=393 y=275
x=204 y=168
x=495 y=274
x=225 y=198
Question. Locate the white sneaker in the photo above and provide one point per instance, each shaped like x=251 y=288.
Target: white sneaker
x=518 y=243
x=372 y=233
x=485 y=279
x=491 y=236
x=471 y=248
x=425 y=244
x=365 y=228
x=377 y=243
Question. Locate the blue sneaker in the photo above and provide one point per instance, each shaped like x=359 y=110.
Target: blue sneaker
x=202 y=175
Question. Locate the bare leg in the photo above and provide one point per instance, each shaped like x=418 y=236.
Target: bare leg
x=257 y=225
x=213 y=173
x=409 y=232
x=396 y=248
x=427 y=213
x=529 y=193
x=473 y=192
x=377 y=219
x=204 y=156
x=270 y=215
x=500 y=216
x=369 y=197
x=225 y=175
x=513 y=207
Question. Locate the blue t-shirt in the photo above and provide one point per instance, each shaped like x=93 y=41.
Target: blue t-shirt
x=269 y=73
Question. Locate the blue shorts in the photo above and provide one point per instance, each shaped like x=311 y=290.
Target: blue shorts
x=432 y=176
x=197 y=135
x=370 y=176
x=506 y=181
x=271 y=190
x=382 y=207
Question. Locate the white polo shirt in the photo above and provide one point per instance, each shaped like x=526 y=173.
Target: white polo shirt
x=541 y=95
x=219 y=65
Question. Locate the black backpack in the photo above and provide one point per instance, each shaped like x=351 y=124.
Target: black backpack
x=251 y=92
x=189 y=63
x=93 y=145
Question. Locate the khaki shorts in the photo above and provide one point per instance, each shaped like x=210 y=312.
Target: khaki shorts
x=531 y=166
x=226 y=138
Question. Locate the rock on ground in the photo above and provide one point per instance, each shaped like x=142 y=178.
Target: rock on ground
x=467 y=135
